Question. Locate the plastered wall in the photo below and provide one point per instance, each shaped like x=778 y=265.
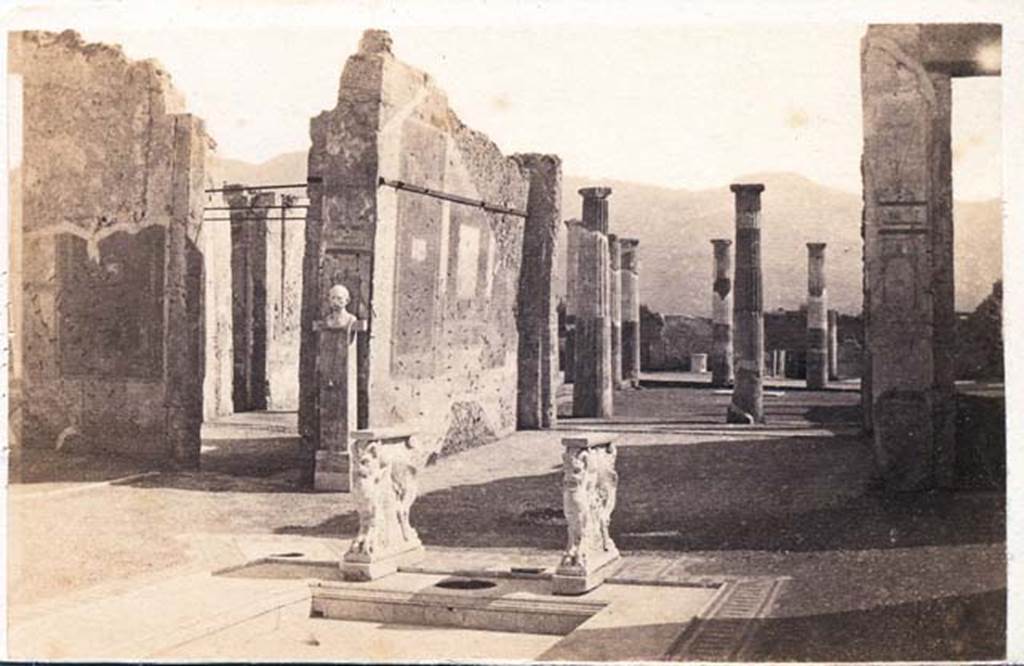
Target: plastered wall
x=109 y=341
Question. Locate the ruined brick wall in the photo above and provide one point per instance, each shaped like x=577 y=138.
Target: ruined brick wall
x=436 y=280
x=669 y=346
x=112 y=177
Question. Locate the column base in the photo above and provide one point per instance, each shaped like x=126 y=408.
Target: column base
x=331 y=472
x=359 y=567
x=576 y=580
x=736 y=415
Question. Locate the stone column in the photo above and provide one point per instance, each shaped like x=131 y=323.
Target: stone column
x=537 y=316
x=721 y=315
x=817 y=318
x=629 y=262
x=573 y=230
x=336 y=376
x=833 y=344
x=615 y=296
x=592 y=389
x=249 y=296
x=748 y=395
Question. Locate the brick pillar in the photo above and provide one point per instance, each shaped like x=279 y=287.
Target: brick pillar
x=748 y=395
x=817 y=318
x=615 y=296
x=721 y=315
x=629 y=263
x=592 y=389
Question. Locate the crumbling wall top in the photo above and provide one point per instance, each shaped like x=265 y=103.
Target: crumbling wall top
x=375 y=41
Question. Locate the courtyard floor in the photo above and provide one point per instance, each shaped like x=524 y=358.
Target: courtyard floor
x=866 y=576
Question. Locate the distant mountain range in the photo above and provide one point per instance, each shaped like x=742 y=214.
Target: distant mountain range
x=675 y=227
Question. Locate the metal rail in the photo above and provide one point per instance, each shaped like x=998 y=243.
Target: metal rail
x=454 y=198
x=241 y=208
x=313 y=180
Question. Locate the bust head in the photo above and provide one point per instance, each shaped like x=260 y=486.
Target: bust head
x=338 y=298
x=337 y=301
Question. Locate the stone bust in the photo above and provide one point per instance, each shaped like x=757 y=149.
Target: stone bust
x=338 y=315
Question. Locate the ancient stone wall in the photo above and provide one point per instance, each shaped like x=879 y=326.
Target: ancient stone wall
x=110 y=275
x=437 y=280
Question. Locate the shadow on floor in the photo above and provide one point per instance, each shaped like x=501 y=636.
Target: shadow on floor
x=950 y=628
x=703 y=405
x=28 y=466
x=783 y=494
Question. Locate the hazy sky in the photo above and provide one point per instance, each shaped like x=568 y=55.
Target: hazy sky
x=681 y=105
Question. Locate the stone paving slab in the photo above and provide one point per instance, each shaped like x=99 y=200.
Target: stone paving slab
x=145 y=620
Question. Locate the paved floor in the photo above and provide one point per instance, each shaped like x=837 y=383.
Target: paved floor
x=869 y=577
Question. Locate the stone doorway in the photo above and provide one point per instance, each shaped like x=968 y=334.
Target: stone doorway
x=252 y=296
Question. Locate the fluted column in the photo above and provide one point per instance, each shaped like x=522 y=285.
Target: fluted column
x=615 y=286
x=748 y=395
x=573 y=229
x=592 y=388
x=721 y=315
x=629 y=262
x=833 y=344
x=817 y=318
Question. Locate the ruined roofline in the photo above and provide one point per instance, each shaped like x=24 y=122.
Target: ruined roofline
x=377 y=43
x=73 y=42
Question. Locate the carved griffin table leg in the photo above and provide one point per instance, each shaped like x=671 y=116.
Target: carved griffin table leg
x=385 y=466
x=589 y=486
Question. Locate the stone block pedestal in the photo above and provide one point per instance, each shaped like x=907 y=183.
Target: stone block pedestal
x=589 y=488
x=385 y=467
x=336 y=386
x=362 y=567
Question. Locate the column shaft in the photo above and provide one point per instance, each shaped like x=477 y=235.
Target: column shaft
x=630 y=266
x=817 y=318
x=592 y=389
x=615 y=286
x=721 y=315
x=573 y=228
x=748 y=395
x=833 y=345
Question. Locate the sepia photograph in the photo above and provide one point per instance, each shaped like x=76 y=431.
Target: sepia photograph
x=455 y=332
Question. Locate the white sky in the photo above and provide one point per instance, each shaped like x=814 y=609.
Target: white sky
x=677 y=104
